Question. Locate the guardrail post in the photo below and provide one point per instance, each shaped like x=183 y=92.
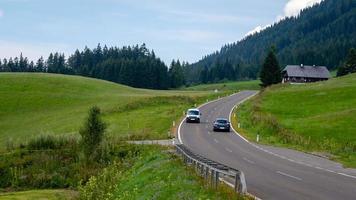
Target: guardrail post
x=240 y=183
x=237 y=182
x=212 y=177
x=206 y=173
x=216 y=179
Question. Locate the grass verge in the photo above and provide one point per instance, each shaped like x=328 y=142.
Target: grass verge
x=154 y=175
x=40 y=195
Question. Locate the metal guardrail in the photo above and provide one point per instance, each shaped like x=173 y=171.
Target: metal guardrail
x=212 y=170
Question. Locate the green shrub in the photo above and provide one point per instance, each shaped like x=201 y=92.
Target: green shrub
x=102 y=185
x=92 y=134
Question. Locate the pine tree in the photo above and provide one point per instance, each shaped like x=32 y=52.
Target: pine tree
x=204 y=75
x=176 y=75
x=350 y=64
x=92 y=134
x=270 y=72
x=40 y=66
x=50 y=63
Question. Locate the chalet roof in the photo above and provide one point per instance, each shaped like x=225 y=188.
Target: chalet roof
x=307 y=71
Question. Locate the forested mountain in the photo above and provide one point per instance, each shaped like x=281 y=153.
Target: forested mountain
x=135 y=66
x=320 y=35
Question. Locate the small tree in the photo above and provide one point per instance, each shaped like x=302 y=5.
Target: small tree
x=350 y=64
x=270 y=72
x=92 y=133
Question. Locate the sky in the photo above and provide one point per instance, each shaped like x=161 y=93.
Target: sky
x=175 y=29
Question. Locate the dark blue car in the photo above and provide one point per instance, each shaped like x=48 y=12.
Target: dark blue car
x=221 y=124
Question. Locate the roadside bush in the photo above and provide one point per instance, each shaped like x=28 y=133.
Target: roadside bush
x=92 y=134
x=102 y=185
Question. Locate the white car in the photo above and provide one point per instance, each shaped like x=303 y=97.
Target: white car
x=193 y=115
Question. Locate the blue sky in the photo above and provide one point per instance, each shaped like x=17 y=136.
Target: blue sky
x=184 y=29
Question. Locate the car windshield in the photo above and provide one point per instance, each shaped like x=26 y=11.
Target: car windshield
x=221 y=121
x=193 y=112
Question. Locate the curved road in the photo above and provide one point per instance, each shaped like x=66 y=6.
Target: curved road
x=268 y=175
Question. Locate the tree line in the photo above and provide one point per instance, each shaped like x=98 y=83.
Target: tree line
x=135 y=66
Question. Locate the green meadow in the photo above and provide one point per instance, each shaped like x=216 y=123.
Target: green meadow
x=318 y=117
x=228 y=86
x=33 y=104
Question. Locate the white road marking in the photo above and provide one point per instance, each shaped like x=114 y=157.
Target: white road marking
x=347 y=175
x=228 y=150
x=288 y=175
x=216 y=141
x=249 y=161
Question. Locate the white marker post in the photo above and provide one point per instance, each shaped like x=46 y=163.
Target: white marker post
x=258 y=138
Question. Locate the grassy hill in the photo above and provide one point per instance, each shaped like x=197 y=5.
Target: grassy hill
x=39 y=104
x=318 y=117
x=34 y=103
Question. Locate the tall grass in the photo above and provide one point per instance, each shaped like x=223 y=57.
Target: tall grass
x=44 y=142
x=151 y=175
x=56 y=162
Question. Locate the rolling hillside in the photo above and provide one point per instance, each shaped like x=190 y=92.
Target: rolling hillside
x=320 y=35
x=318 y=117
x=35 y=103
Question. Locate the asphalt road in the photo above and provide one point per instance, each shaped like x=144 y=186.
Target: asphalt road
x=269 y=175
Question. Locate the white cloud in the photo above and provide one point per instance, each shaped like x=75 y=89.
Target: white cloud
x=294 y=7
x=31 y=51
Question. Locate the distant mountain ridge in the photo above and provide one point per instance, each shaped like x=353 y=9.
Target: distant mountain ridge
x=320 y=35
